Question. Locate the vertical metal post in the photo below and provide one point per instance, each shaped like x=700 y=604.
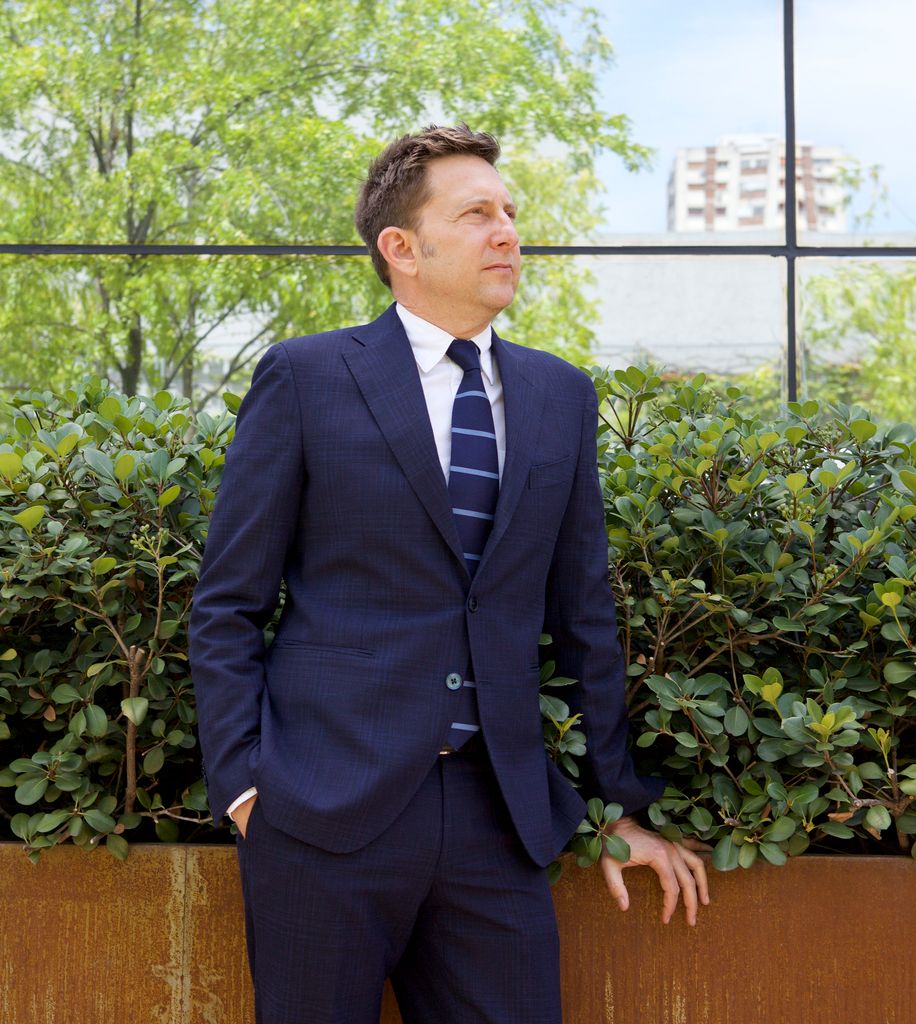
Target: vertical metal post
x=788 y=35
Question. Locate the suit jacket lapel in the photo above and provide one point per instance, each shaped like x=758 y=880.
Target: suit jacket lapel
x=524 y=401
x=385 y=370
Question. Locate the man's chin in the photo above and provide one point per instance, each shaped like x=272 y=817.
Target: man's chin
x=497 y=299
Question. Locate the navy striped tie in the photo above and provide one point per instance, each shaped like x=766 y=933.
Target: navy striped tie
x=473 y=487
x=473 y=476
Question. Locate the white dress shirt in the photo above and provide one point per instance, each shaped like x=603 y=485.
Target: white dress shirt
x=440 y=379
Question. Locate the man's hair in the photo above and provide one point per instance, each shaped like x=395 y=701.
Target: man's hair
x=397 y=188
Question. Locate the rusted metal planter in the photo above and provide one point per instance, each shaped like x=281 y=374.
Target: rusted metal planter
x=159 y=939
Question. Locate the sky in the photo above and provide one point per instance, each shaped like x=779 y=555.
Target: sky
x=690 y=71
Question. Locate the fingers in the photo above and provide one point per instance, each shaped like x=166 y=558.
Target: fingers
x=698 y=868
x=680 y=871
x=671 y=888
x=687 y=883
x=613 y=876
x=241 y=815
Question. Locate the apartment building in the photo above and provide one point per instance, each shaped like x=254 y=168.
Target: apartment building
x=739 y=185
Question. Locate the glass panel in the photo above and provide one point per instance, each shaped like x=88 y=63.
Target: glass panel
x=723 y=316
x=195 y=325
x=857 y=334
x=855 y=89
x=702 y=84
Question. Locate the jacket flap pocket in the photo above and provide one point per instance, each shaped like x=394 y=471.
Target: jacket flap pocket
x=557 y=472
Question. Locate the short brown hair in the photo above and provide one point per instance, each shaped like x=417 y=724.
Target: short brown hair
x=396 y=188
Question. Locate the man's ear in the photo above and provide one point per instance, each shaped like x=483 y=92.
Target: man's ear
x=398 y=249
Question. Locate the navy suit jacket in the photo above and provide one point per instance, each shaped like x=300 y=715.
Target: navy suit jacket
x=333 y=485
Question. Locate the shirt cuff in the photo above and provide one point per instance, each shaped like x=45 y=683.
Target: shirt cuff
x=240 y=800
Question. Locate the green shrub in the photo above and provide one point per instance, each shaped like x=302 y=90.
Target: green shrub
x=764 y=575
x=105 y=503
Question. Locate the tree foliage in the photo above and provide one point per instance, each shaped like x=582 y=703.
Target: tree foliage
x=185 y=121
x=864 y=317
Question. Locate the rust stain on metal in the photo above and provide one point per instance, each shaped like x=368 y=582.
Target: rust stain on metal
x=172 y=972
x=218 y=979
x=160 y=939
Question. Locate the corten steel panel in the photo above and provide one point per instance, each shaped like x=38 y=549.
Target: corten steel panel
x=85 y=939
x=820 y=941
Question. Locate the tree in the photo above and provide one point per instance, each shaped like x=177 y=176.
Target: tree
x=863 y=317
x=236 y=121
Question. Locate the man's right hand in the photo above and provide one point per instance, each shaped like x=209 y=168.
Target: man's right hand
x=241 y=814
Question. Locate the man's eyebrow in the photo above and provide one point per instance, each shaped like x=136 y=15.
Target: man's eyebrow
x=487 y=201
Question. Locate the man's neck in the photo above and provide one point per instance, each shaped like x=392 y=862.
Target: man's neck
x=455 y=323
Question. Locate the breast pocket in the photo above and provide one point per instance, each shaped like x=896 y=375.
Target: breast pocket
x=550 y=474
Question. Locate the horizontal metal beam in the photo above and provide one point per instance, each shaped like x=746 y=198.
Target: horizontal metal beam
x=115 y=249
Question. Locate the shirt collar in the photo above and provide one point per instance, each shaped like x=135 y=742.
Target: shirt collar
x=430 y=343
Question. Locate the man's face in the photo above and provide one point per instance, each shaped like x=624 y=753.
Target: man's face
x=468 y=256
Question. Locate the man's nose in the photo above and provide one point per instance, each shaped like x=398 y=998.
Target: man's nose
x=505 y=234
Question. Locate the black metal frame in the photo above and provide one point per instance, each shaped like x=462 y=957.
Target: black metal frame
x=790 y=250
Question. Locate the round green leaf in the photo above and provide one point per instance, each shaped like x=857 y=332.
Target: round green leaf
x=898 y=671
x=31 y=790
x=135 y=709
x=154 y=760
x=772 y=853
x=725 y=854
x=54 y=820
x=109 y=407
x=67 y=443
x=99 y=820
x=780 y=830
x=618 y=848
x=862 y=430
x=878 y=817
x=595 y=808
x=747 y=854
x=117 y=846
x=736 y=721
x=167 y=830
x=687 y=739
x=10 y=464
x=29 y=518
x=64 y=693
x=124 y=466
x=700 y=818
x=96 y=720
x=169 y=495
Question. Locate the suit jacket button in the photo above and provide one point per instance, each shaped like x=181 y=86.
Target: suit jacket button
x=472 y=603
x=453 y=681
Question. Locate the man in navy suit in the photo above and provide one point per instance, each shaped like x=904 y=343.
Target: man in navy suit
x=428 y=493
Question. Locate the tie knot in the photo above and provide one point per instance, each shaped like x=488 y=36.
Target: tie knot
x=465 y=354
